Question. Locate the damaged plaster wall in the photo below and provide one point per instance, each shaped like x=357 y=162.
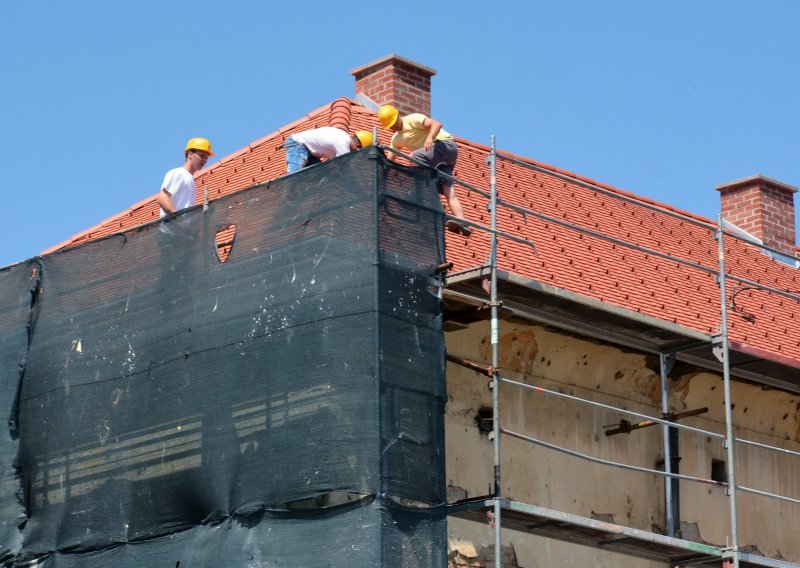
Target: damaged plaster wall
x=604 y=373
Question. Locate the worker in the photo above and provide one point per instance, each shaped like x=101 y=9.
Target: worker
x=178 y=190
x=311 y=146
x=431 y=145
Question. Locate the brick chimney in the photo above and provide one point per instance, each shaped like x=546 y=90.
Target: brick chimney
x=397 y=81
x=764 y=208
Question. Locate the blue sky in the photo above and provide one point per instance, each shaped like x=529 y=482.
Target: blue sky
x=664 y=99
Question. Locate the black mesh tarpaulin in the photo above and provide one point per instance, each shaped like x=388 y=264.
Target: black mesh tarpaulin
x=281 y=408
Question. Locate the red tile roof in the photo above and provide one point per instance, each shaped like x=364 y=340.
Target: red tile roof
x=566 y=258
x=588 y=265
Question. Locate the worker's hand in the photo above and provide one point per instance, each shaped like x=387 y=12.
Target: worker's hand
x=434 y=127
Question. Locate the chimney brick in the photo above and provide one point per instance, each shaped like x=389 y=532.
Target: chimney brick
x=396 y=81
x=764 y=208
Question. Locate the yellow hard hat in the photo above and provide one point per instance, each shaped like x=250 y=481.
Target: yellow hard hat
x=388 y=115
x=364 y=137
x=199 y=144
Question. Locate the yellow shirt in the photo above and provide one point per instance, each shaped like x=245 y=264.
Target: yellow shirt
x=413 y=134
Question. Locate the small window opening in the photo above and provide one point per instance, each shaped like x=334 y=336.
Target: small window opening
x=223 y=241
x=718 y=471
x=485 y=420
x=322 y=501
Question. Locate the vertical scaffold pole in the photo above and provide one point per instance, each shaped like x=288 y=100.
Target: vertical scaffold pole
x=495 y=360
x=668 y=497
x=726 y=374
x=376 y=260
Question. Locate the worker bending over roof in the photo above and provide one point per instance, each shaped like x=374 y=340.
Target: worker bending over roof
x=311 y=146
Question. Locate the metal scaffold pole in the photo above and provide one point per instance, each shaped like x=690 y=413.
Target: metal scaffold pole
x=734 y=545
x=665 y=365
x=495 y=359
x=376 y=256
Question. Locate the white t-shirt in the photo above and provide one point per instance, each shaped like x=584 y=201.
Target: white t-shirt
x=325 y=142
x=180 y=185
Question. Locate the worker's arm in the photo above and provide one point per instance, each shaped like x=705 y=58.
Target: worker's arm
x=164 y=200
x=433 y=126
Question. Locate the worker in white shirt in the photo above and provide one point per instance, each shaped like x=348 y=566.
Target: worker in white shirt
x=178 y=189
x=312 y=146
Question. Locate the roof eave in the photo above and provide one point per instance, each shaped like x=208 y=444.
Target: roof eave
x=600 y=320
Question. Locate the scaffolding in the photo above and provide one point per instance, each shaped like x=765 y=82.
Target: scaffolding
x=506 y=513
x=252 y=412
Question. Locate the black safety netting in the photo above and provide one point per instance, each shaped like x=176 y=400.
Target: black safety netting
x=281 y=408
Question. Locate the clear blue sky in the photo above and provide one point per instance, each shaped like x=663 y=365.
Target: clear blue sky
x=664 y=99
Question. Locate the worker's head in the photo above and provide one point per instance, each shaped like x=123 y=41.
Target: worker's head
x=388 y=115
x=198 y=145
x=361 y=139
x=197 y=153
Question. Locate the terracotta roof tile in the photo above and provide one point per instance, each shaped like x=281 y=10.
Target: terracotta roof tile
x=566 y=258
x=626 y=277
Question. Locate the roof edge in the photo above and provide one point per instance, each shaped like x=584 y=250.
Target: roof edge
x=764 y=354
x=603 y=305
x=756 y=178
x=393 y=56
x=65 y=243
x=691 y=333
x=514 y=278
x=225 y=159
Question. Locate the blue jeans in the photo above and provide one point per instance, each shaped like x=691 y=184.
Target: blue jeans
x=298 y=156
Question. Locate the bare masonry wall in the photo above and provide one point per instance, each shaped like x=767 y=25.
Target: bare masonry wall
x=566 y=363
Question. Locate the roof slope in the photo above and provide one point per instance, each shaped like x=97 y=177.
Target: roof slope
x=577 y=261
x=567 y=258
